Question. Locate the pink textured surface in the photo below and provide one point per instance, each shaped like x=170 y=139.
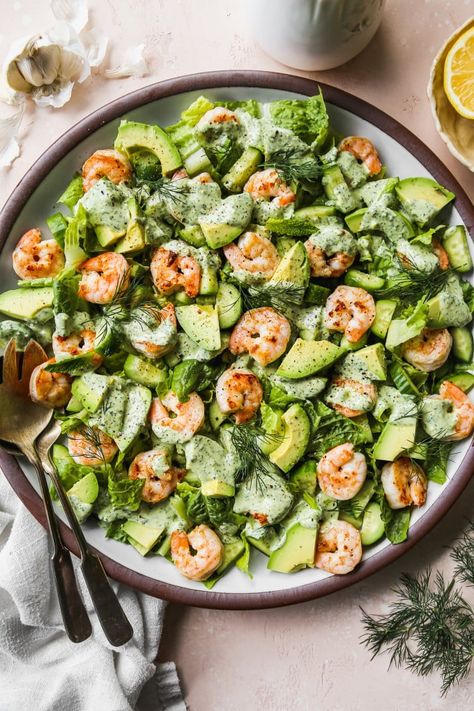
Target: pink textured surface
x=306 y=657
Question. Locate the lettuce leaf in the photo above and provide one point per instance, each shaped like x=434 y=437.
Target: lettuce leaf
x=251 y=106
x=189 y=376
x=182 y=132
x=73 y=193
x=125 y=493
x=307 y=118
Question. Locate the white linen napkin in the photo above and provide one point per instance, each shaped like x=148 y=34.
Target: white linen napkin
x=40 y=668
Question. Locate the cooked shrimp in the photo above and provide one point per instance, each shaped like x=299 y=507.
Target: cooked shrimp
x=404 y=483
x=160 y=479
x=365 y=391
x=253 y=254
x=441 y=253
x=217 y=116
x=91 y=447
x=207 y=556
x=428 y=351
x=189 y=417
x=364 y=150
x=203 y=178
x=338 y=548
x=171 y=271
x=238 y=391
x=268 y=184
x=106 y=163
x=164 y=332
x=103 y=277
x=462 y=408
x=323 y=265
x=34 y=258
x=341 y=472
x=76 y=344
x=263 y=333
x=350 y=310
x=180 y=174
x=50 y=389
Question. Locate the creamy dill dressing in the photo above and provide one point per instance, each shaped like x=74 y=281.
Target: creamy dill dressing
x=240 y=455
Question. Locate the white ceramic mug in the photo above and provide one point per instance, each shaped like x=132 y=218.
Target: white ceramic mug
x=314 y=34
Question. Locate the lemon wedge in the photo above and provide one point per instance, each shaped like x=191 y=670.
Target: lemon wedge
x=459 y=74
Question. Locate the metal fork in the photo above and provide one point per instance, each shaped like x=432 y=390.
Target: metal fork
x=21 y=422
x=114 y=622
x=111 y=616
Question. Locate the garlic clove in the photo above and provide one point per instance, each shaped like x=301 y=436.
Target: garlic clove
x=39 y=66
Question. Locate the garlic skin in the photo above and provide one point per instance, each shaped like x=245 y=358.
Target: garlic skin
x=9 y=146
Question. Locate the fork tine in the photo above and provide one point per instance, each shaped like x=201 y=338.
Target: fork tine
x=34 y=355
x=10 y=366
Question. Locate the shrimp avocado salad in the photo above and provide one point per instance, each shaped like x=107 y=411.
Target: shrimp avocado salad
x=259 y=338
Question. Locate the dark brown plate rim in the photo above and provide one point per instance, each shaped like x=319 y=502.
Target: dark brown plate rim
x=200 y=82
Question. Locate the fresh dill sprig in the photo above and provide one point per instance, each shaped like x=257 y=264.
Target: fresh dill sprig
x=172 y=191
x=247 y=439
x=430 y=627
x=280 y=296
x=413 y=283
x=463 y=556
x=91 y=437
x=294 y=166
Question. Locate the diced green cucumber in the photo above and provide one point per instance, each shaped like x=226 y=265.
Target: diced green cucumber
x=456 y=243
x=235 y=179
x=143 y=372
x=232 y=551
x=198 y=162
x=316 y=295
x=304 y=476
x=315 y=212
x=337 y=189
x=465 y=381
x=373 y=527
x=462 y=343
x=209 y=282
x=216 y=417
x=384 y=310
x=369 y=282
x=229 y=304
x=192 y=234
x=349 y=346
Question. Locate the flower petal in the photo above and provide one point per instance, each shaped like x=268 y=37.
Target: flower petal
x=74 y=12
x=134 y=64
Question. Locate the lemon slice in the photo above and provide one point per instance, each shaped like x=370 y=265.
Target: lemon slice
x=459 y=74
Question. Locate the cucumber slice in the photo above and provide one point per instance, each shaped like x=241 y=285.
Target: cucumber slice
x=373 y=527
x=369 y=282
x=384 y=310
x=144 y=372
x=455 y=242
x=235 y=179
x=198 y=162
x=465 y=381
x=229 y=304
x=462 y=343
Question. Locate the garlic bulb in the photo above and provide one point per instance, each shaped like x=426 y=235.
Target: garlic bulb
x=42 y=64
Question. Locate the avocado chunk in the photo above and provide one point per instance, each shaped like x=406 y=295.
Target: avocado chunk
x=134 y=239
x=136 y=411
x=229 y=304
x=216 y=417
x=395 y=438
x=82 y=495
x=266 y=540
x=243 y=168
x=201 y=323
x=315 y=212
x=293 y=268
x=227 y=221
x=448 y=308
x=24 y=304
x=192 y=234
x=373 y=358
x=143 y=372
x=274 y=427
x=384 y=310
x=373 y=526
x=142 y=536
x=209 y=281
x=213 y=487
x=308 y=357
x=392 y=223
x=107 y=235
x=422 y=198
x=273 y=501
x=90 y=390
x=354 y=220
x=86 y=489
x=296 y=431
x=297 y=551
x=210 y=464
x=133 y=136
